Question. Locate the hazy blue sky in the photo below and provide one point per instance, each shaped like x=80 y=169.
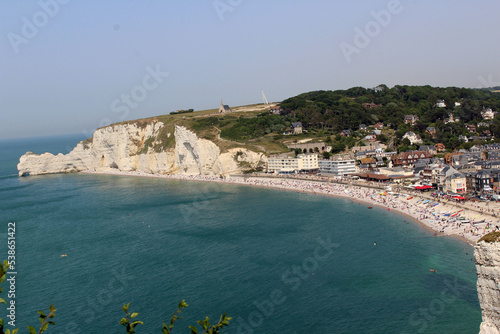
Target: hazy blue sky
x=72 y=66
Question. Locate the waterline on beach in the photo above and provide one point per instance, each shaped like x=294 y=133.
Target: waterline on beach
x=411 y=209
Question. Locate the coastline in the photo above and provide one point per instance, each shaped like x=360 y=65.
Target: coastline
x=427 y=216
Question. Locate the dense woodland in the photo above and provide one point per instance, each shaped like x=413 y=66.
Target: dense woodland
x=327 y=113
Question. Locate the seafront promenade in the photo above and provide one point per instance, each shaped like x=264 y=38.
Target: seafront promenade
x=464 y=221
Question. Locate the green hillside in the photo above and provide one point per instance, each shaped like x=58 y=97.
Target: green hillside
x=325 y=114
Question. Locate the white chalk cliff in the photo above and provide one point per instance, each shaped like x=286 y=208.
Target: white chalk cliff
x=487 y=257
x=130 y=147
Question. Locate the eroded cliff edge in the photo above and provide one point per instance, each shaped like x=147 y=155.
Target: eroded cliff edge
x=487 y=257
x=139 y=147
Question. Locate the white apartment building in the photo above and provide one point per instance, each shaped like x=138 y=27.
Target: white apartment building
x=338 y=167
x=289 y=165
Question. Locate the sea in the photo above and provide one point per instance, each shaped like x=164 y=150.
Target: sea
x=275 y=261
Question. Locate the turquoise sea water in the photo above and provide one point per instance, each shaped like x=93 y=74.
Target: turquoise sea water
x=277 y=262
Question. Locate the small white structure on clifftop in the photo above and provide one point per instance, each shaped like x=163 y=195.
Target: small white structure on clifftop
x=224 y=108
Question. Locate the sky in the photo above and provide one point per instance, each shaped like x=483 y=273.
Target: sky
x=69 y=66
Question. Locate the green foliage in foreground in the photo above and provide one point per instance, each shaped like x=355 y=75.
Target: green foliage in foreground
x=208 y=328
x=45 y=320
x=127 y=321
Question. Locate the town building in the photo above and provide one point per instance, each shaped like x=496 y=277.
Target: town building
x=377 y=152
x=412 y=137
x=345 y=133
x=368 y=164
x=449 y=158
x=370 y=138
x=471 y=128
x=337 y=167
x=284 y=164
x=411 y=119
x=275 y=110
x=483 y=124
x=441 y=104
x=490 y=164
x=495 y=176
x=451 y=119
x=455 y=183
x=297 y=128
x=480 y=181
x=409 y=158
x=368 y=147
x=431 y=130
x=429 y=174
x=440 y=147
x=487 y=113
x=480 y=138
x=429 y=148
x=442 y=174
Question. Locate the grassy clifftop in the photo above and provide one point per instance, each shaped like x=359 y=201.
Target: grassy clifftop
x=211 y=125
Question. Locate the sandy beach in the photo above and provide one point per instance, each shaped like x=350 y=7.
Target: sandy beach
x=468 y=222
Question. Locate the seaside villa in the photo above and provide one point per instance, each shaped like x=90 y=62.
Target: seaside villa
x=283 y=164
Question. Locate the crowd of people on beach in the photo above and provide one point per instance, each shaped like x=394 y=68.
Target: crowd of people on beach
x=437 y=214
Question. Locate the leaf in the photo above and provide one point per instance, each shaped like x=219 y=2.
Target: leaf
x=2 y=301
x=14 y=331
x=135 y=314
x=32 y=330
x=125 y=307
x=44 y=327
x=193 y=329
x=135 y=323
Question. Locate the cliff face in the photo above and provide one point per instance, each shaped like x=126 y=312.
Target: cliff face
x=487 y=257
x=129 y=147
